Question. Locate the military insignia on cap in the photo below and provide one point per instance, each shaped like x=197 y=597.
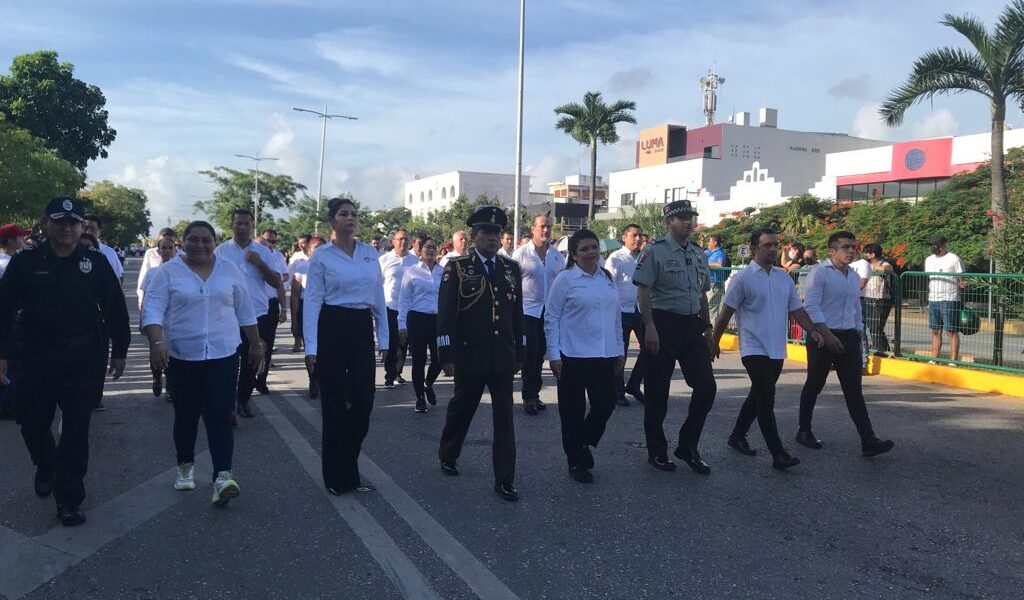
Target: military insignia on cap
x=85 y=265
x=67 y=205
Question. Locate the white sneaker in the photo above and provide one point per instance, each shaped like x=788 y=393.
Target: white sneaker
x=224 y=489
x=184 y=482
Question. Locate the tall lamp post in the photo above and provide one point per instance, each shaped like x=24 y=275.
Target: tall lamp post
x=519 y=124
x=323 y=140
x=256 y=185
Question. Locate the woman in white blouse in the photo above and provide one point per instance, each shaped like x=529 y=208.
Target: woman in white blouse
x=344 y=295
x=166 y=250
x=192 y=314
x=583 y=327
x=417 y=320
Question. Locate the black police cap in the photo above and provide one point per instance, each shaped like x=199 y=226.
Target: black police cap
x=488 y=216
x=65 y=207
x=678 y=208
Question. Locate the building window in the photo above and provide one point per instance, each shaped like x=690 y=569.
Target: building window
x=453 y=192
x=908 y=189
x=430 y=196
x=891 y=189
x=844 y=192
x=668 y=195
x=443 y=193
x=628 y=199
x=860 y=191
x=422 y=197
x=410 y=198
x=925 y=187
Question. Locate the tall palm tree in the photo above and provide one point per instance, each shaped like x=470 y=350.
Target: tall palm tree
x=593 y=122
x=994 y=67
x=800 y=213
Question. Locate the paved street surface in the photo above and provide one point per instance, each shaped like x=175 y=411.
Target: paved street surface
x=940 y=517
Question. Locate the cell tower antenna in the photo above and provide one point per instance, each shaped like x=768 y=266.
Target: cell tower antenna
x=709 y=86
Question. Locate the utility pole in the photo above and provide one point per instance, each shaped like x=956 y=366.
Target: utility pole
x=323 y=141
x=256 y=186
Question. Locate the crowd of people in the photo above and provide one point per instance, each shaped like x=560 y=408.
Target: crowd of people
x=488 y=308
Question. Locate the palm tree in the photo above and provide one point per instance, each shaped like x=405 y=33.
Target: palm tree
x=994 y=67
x=593 y=122
x=800 y=213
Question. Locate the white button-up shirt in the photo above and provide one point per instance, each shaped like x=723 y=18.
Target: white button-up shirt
x=337 y=279
x=393 y=267
x=200 y=318
x=113 y=259
x=419 y=291
x=537 y=275
x=231 y=251
x=298 y=265
x=832 y=298
x=582 y=317
x=621 y=265
x=762 y=301
x=278 y=264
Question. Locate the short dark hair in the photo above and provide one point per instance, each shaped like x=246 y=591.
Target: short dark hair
x=268 y=230
x=840 y=235
x=639 y=229
x=422 y=238
x=239 y=211
x=755 y=237
x=716 y=237
x=375 y=237
x=318 y=238
x=306 y=237
x=873 y=248
x=203 y=224
x=336 y=203
x=95 y=219
x=168 y=232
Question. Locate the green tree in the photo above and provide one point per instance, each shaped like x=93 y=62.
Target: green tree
x=124 y=212
x=235 y=190
x=591 y=122
x=993 y=67
x=31 y=175
x=43 y=96
x=648 y=216
x=800 y=214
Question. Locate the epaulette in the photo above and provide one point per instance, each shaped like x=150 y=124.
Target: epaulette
x=458 y=258
x=505 y=258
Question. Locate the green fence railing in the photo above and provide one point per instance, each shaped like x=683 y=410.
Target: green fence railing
x=979 y=315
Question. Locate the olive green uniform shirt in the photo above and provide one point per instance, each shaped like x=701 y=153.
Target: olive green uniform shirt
x=676 y=276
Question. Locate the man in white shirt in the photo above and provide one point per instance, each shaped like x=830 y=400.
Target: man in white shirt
x=459 y=245
x=763 y=298
x=862 y=268
x=254 y=261
x=506 y=245
x=944 y=296
x=151 y=257
x=94 y=227
x=621 y=265
x=275 y=301
x=832 y=299
x=392 y=267
x=295 y=264
x=540 y=264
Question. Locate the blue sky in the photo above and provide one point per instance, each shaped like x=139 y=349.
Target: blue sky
x=191 y=83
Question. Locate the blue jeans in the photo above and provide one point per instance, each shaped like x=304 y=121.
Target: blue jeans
x=942 y=314
x=204 y=388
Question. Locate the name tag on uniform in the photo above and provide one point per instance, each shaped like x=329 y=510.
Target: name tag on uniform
x=689 y=262
x=672 y=265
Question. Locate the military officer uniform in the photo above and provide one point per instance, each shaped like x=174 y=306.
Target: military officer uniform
x=677 y=278
x=480 y=332
x=70 y=307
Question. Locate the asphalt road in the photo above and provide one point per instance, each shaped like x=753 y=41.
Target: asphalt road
x=939 y=517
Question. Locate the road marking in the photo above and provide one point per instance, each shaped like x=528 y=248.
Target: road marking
x=396 y=565
x=477 y=576
x=31 y=562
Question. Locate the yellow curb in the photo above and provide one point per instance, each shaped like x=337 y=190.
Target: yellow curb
x=968 y=379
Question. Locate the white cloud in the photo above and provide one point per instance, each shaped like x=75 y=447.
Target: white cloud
x=171 y=184
x=869 y=124
x=368 y=49
x=940 y=123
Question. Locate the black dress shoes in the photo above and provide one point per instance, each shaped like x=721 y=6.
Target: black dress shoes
x=70 y=516
x=873 y=446
x=586 y=458
x=449 y=468
x=262 y=389
x=693 y=459
x=740 y=445
x=783 y=461
x=421 y=405
x=314 y=390
x=507 y=491
x=245 y=411
x=43 y=483
x=530 y=407
x=431 y=397
x=158 y=386
x=581 y=474
x=636 y=393
x=805 y=437
x=662 y=463
x=540 y=404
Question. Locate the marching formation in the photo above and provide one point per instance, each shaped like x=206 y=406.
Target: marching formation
x=481 y=314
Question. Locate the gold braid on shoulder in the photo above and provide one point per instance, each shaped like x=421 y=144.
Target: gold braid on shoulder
x=474 y=297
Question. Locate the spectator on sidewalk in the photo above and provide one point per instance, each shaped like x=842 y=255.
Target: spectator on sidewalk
x=717 y=259
x=944 y=296
x=877 y=298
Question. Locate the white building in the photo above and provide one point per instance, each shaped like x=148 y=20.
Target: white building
x=438 y=192
x=726 y=167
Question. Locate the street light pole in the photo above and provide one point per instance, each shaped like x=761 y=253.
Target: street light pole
x=256 y=184
x=519 y=124
x=323 y=142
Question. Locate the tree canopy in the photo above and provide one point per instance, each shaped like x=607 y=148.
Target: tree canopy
x=235 y=190
x=43 y=96
x=124 y=212
x=31 y=175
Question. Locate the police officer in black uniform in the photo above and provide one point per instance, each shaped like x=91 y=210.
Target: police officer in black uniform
x=480 y=341
x=71 y=304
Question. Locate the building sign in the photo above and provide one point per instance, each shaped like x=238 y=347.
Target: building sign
x=652 y=149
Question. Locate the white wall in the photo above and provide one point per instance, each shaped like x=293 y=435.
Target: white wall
x=438 y=192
